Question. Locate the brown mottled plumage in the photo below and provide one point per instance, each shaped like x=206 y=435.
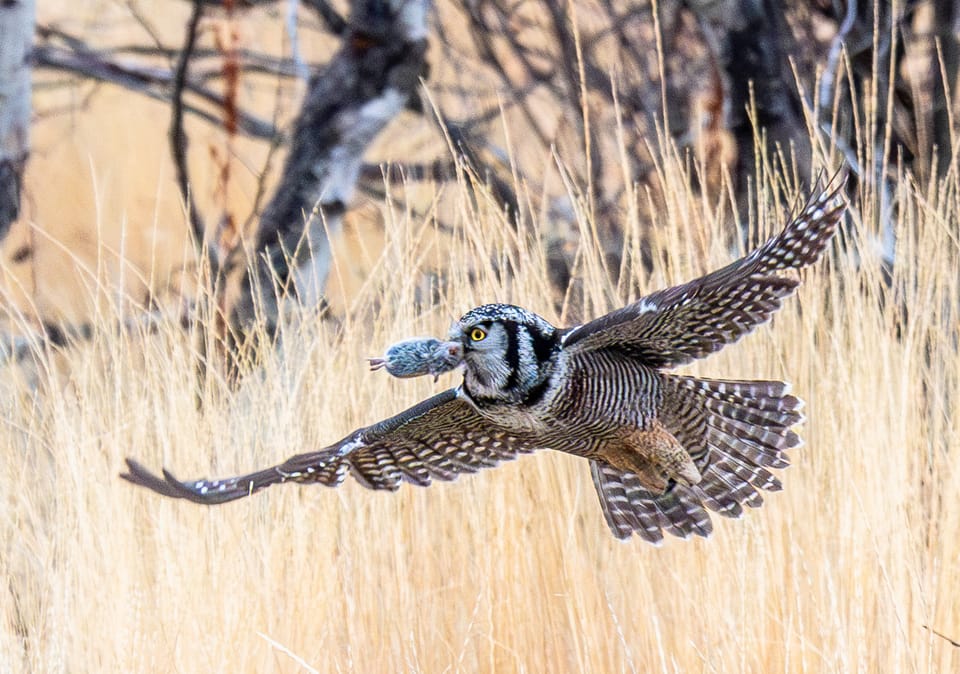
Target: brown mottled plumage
x=663 y=448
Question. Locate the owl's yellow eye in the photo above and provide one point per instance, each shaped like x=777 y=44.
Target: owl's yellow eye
x=478 y=335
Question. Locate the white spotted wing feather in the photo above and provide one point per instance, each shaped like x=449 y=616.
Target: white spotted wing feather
x=677 y=325
x=439 y=439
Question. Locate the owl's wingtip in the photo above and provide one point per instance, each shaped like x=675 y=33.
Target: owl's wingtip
x=140 y=476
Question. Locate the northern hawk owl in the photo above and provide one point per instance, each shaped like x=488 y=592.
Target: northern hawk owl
x=662 y=447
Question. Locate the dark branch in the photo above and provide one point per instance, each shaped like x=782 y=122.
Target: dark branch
x=367 y=83
x=11 y=178
x=153 y=82
x=952 y=642
x=178 y=135
x=335 y=23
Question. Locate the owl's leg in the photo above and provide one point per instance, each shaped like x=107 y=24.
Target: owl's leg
x=654 y=456
x=667 y=452
x=626 y=458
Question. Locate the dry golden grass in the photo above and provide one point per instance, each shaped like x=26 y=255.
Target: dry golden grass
x=851 y=568
x=512 y=569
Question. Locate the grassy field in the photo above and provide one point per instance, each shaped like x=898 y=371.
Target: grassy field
x=851 y=568
x=855 y=566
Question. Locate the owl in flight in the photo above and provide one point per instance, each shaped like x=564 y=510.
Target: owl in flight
x=663 y=448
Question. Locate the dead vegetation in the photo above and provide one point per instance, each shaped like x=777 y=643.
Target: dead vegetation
x=851 y=568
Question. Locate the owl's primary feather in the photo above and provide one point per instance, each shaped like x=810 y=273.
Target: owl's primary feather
x=663 y=448
x=674 y=326
x=438 y=439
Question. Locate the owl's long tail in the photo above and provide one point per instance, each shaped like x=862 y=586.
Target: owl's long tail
x=733 y=430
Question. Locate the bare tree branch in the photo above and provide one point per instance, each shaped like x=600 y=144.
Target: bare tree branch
x=368 y=82
x=334 y=23
x=178 y=136
x=153 y=82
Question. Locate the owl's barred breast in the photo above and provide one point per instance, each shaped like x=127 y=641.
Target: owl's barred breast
x=586 y=404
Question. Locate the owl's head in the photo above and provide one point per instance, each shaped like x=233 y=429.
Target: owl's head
x=507 y=352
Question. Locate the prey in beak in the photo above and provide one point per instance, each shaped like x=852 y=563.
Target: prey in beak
x=419 y=356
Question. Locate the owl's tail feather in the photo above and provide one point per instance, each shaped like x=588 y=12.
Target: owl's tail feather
x=733 y=430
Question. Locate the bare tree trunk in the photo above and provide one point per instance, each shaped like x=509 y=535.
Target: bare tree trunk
x=752 y=42
x=16 y=38
x=373 y=76
x=17 y=18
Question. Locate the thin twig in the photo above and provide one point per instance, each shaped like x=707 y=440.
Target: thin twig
x=178 y=136
x=148 y=80
x=942 y=636
x=145 y=23
x=275 y=143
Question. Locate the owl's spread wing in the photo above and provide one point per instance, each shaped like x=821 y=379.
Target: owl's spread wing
x=440 y=438
x=677 y=325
